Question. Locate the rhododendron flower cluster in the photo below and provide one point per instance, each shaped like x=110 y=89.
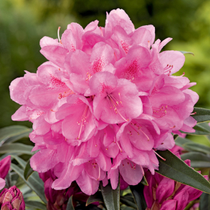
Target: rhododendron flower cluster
x=103 y=103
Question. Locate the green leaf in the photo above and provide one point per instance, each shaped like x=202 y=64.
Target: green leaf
x=18 y=137
x=199 y=130
x=204 y=202
x=70 y=205
x=12 y=131
x=35 y=205
x=28 y=170
x=16 y=148
x=126 y=208
x=137 y=192
x=198 y=160
x=111 y=197
x=19 y=160
x=176 y=169
x=128 y=202
x=144 y=181
x=34 y=182
x=202 y=115
x=97 y=197
x=192 y=146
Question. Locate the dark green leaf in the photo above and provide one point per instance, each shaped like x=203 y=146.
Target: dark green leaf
x=70 y=205
x=204 y=202
x=198 y=160
x=12 y=131
x=202 y=115
x=28 y=170
x=128 y=202
x=16 y=148
x=97 y=197
x=89 y=207
x=144 y=181
x=111 y=197
x=137 y=192
x=176 y=169
x=126 y=208
x=192 y=146
x=35 y=205
x=34 y=182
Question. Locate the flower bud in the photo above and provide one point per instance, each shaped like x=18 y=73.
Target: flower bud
x=12 y=198
x=5 y=166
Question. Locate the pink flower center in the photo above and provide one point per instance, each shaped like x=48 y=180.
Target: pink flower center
x=131 y=71
x=136 y=127
x=97 y=65
x=160 y=112
x=83 y=120
x=167 y=69
x=115 y=104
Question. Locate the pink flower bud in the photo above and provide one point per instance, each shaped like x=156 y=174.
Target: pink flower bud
x=5 y=166
x=12 y=198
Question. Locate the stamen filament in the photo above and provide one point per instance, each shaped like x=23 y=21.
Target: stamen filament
x=83 y=120
x=58 y=32
x=114 y=104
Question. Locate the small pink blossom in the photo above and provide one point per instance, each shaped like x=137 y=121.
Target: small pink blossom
x=103 y=103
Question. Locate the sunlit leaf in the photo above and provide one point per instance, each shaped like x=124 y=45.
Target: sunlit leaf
x=111 y=197
x=35 y=205
x=176 y=169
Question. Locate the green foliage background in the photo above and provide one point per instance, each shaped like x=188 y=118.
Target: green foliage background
x=24 y=22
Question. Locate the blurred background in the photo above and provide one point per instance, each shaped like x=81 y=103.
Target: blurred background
x=24 y=22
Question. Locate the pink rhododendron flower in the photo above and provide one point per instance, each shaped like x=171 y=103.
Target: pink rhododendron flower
x=103 y=103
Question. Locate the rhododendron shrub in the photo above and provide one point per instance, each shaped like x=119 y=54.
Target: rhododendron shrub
x=103 y=103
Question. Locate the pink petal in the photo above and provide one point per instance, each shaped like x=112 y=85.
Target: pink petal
x=55 y=54
x=131 y=172
x=87 y=185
